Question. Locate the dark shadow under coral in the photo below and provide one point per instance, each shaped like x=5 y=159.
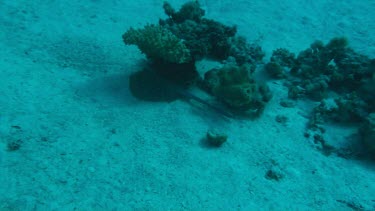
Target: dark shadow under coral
x=149 y=86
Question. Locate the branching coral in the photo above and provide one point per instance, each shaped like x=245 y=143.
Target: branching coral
x=158 y=43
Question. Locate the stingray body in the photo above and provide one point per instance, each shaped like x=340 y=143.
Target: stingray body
x=189 y=96
x=150 y=86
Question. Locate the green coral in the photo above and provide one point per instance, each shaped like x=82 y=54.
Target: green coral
x=236 y=95
x=234 y=86
x=158 y=43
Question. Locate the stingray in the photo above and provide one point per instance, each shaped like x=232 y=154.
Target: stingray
x=189 y=96
x=147 y=85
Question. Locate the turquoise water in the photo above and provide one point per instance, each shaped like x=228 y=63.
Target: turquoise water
x=216 y=105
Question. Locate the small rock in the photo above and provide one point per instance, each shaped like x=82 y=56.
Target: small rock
x=216 y=138
x=281 y=119
x=274 y=174
x=14 y=145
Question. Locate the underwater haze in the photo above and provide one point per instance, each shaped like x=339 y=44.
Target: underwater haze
x=187 y=105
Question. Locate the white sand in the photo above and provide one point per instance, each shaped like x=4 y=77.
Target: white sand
x=88 y=144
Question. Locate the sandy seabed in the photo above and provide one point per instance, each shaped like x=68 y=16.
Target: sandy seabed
x=87 y=144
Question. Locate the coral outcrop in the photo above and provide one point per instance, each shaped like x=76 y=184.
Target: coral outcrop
x=234 y=86
x=208 y=38
x=158 y=43
x=176 y=43
x=281 y=62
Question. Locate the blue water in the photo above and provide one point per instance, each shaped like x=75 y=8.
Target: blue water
x=90 y=123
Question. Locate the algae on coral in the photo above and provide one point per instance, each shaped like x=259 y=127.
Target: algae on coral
x=158 y=43
x=235 y=87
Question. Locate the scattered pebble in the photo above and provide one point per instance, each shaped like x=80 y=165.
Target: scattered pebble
x=14 y=145
x=281 y=119
x=274 y=174
x=216 y=138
